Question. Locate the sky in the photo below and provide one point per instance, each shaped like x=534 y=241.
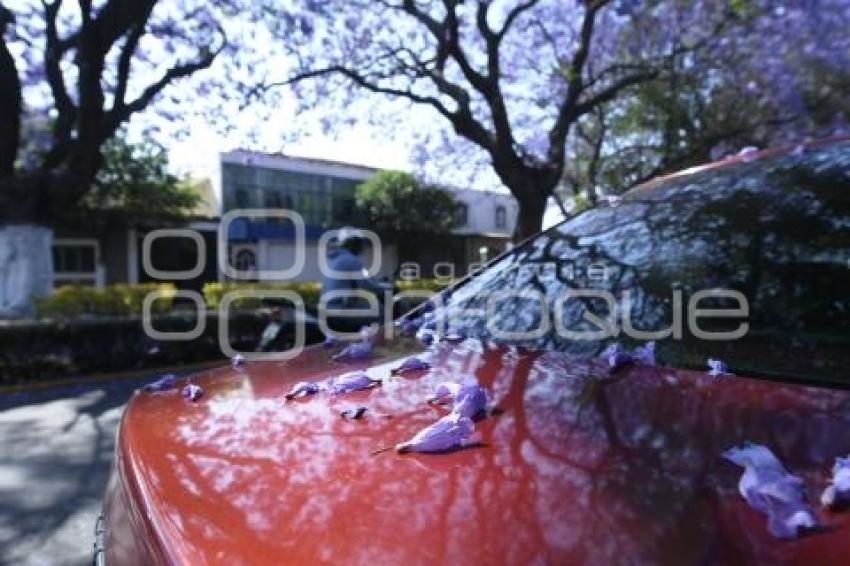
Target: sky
x=360 y=145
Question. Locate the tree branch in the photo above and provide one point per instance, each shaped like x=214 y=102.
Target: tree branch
x=120 y=113
x=125 y=60
x=66 y=111
x=567 y=111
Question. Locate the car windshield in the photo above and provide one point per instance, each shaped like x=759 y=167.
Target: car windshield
x=767 y=239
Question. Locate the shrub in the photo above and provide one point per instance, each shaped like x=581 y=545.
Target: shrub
x=76 y=300
x=214 y=293
x=309 y=292
x=435 y=285
x=33 y=350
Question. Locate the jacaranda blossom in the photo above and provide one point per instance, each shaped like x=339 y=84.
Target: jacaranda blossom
x=449 y=432
x=354 y=381
x=411 y=364
x=469 y=398
x=617 y=356
x=353 y=413
x=426 y=336
x=161 y=384
x=355 y=351
x=192 y=392
x=717 y=368
x=837 y=492
x=768 y=488
x=302 y=389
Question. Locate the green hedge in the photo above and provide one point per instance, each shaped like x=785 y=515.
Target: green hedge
x=75 y=300
x=34 y=350
x=214 y=292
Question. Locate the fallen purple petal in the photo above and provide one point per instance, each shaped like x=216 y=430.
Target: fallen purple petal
x=617 y=356
x=353 y=413
x=349 y=382
x=355 y=351
x=645 y=355
x=192 y=392
x=768 y=488
x=449 y=432
x=469 y=398
x=237 y=361
x=717 y=368
x=329 y=342
x=837 y=492
x=302 y=389
x=161 y=384
x=411 y=364
x=426 y=336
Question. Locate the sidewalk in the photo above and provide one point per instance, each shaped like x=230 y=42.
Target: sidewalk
x=56 y=448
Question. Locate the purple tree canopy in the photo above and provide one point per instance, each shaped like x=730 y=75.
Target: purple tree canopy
x=521 y=85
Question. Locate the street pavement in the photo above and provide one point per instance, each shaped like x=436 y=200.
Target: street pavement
x=56 y=449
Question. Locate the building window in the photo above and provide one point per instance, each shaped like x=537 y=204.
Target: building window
x=501 y=217
x=462 y=212
x=273 y=199
x=75 y=261
x=246 y=260
x=243 y=199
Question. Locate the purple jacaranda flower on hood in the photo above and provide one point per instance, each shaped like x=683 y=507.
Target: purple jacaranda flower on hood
x=768 y=488
x=353 y=413
x=837 y=492
x=716 y=368
x=329 y=342
x=411 y=364
x=468 y=398
x=192 y=392
x=237 y=361
x=354 y=381
x=645 y=355
x=617 y=356
x=449 y=432
x=355 y=351
x=302 y=389
x=163 y=383
x=426 y=336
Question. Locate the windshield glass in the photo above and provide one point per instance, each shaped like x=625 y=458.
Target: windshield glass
x=766 y=240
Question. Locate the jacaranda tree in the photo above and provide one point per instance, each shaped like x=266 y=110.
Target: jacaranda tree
x=84 y=69
x=513 y=81
x=511 y=78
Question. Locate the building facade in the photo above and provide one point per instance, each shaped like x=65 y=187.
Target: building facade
x=321 y=192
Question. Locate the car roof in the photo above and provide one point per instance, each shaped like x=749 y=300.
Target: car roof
x=743 y=156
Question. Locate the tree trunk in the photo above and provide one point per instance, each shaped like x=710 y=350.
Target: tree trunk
x=532 y=207
x=26 y=268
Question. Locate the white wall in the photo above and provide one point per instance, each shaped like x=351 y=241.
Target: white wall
x=482 y=212
x=281 y=255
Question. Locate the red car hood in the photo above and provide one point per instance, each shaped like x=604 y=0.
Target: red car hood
x=574 y=466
